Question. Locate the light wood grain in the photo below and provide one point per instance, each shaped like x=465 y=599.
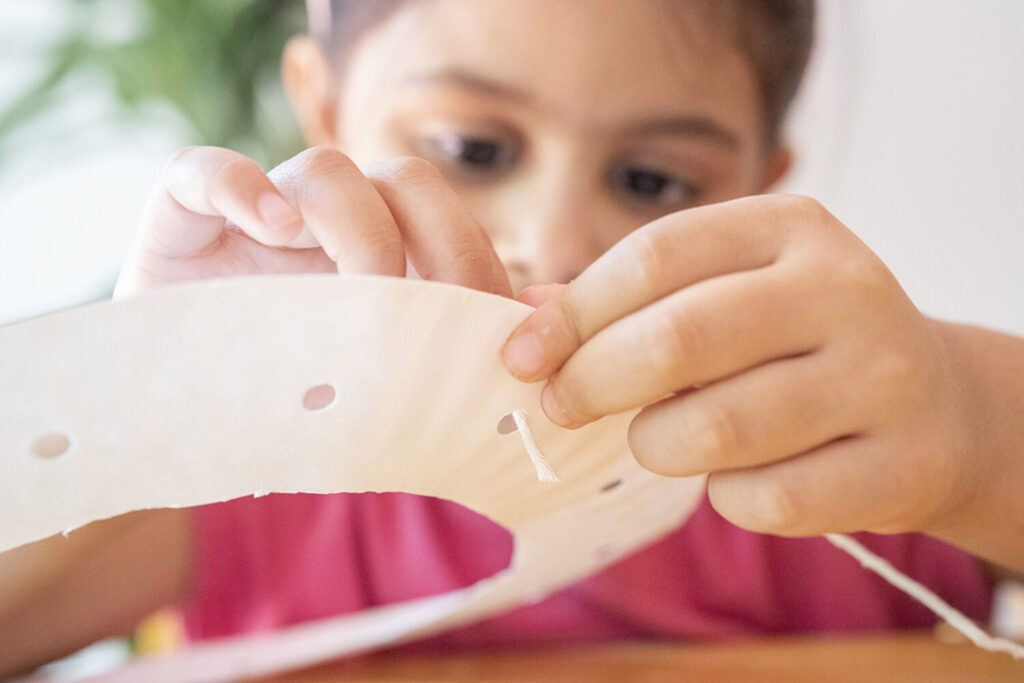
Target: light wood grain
x=893 y=657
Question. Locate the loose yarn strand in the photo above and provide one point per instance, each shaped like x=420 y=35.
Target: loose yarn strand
x=926 y=597
x=545 y=472
x=867 y=559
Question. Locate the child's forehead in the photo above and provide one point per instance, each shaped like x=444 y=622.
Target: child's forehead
x=603 y=58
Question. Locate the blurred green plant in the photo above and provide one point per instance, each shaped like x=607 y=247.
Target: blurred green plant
x=215 y=62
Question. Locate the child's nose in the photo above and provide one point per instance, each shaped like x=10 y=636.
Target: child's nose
x=553 y=239
x=546 y=252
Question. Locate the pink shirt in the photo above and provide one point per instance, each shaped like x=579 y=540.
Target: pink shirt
x=281 y=559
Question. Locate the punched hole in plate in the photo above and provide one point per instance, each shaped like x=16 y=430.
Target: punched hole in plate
x=319 y=397
x=507 y=424
x=50 y=446
x=611 y=486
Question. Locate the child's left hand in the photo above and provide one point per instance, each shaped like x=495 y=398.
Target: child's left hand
x=770 y=347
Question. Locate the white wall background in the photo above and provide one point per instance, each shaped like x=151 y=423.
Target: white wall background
x=908 y=130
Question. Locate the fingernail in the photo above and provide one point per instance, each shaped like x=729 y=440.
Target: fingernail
x=551 y=407
x=524 y=355
x=276 y=212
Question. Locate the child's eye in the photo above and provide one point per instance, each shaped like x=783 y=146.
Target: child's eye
x=467 y=153
x=651 y=187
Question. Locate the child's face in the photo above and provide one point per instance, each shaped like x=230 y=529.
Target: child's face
x=563 y=126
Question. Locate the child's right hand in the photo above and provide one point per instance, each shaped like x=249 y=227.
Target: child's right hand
x=215 y=213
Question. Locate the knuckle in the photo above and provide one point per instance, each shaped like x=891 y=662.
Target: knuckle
x=897 y=502
x=471 y=259
x=318 y=172
x=414 y=171
x=897 y=368
x=233 y=172
x=808 y=209
x=721 y=438
x=780 y=508
x=861 y=274
x=802 y=217
x=676 y=335
x=230 y=177
x=802 y=205
x=891 y=378
x=572 y=396
x=645 y=261
x=465 y=260
x=180 y=164
x=763 y=502
x=572 y=324
x=382 y=246
x=178 y=157
x=924 y=512
x=856 y=285
x=323 y=160
x=320 y=155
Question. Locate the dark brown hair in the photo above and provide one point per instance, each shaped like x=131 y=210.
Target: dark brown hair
x=775 y=36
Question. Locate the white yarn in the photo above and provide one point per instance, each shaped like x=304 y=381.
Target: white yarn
x=926 y=597
x=867 y=559
x=545 y=472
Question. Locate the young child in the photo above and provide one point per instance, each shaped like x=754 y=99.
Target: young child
x=766 y=344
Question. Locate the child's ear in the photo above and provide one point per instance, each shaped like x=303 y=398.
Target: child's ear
x=309 y=81
x=777 y=167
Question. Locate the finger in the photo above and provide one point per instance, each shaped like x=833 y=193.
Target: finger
x=668 y=254
x=344 y=214
x=442 y=240
x=537 y=295
x=761 y=416
x=847 y=485
x=203 y=186
x=697 y=335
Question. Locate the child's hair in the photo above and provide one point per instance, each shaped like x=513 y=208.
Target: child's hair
x=775 y=35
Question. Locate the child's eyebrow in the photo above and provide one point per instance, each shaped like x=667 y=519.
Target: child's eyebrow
x=690 y=126
x=470 y=81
